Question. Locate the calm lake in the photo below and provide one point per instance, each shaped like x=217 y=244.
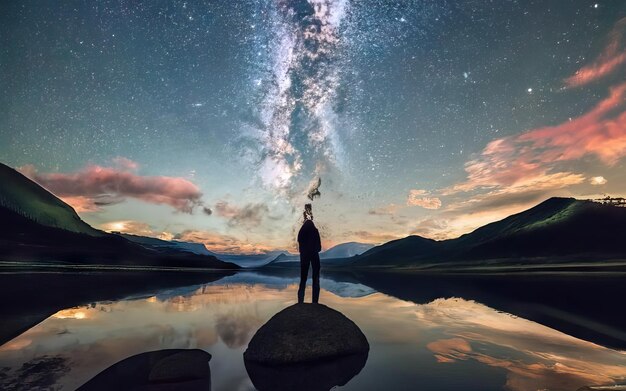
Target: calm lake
x=427 y=337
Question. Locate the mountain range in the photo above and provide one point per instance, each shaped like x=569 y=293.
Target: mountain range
x=37 y=227
x=558 y=229
x=338 y=252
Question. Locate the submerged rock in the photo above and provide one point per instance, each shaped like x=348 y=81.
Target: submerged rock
x=306 y=347
x=169 y=369
x=186 y=365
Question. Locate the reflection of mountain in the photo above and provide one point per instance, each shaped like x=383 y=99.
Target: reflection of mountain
x=38 y=227
x=284 y=258
x=557 y=229
x=582 y=305
x=337 y=286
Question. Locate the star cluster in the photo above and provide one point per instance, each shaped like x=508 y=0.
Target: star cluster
x=415 y=114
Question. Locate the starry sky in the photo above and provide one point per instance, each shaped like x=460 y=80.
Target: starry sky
x=212 y=121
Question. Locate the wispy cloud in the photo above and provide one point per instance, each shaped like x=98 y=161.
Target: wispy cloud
x=387 y=210
x=598 y=180
x=249 y=215
x=95 y=186
x=611 y=59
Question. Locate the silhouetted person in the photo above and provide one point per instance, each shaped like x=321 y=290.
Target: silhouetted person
x=309 y=245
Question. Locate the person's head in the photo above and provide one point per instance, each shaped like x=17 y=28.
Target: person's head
x=308 y=212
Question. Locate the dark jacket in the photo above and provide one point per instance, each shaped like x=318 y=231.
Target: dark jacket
x=309 y=238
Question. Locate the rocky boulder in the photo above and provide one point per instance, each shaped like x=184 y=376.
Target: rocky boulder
x=306 y=333
x=306 y=347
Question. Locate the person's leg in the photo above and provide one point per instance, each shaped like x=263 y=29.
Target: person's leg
x=304 y=273
x=315 y=263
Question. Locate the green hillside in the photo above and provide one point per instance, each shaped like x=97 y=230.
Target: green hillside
x=556 y=229
x=23 y=196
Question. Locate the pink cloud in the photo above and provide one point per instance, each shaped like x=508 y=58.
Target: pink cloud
x=608 y=62
x=81 y=204
x=528 y=160
x=95 y=186
x=600 y=132
x=125 y=163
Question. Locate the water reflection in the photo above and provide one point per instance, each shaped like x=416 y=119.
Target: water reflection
x=444 y=344
x=319 y=376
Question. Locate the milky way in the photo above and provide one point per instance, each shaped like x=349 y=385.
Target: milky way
x=426 y=117
x=298 y=90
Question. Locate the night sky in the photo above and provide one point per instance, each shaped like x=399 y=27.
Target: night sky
x=212 y=121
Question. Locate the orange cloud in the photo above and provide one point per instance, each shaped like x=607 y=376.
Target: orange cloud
x=608 y=62
x=224 y=244
x=96 y=186
x=135 y=228
x=450 y=350
x=421 y=198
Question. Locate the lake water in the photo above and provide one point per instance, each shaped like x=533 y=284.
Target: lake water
x=444 y=343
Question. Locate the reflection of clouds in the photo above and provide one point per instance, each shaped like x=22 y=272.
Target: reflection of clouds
x=72 y=313
x=534 y=356
x=16 y=344
x=523 y=376
x=236 y=332
x=40 y=373
x=450 y=350
x=204 y=317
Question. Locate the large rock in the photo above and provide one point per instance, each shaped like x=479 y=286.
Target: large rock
x=306 y=347
x=304 y=333
x=168 y=369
